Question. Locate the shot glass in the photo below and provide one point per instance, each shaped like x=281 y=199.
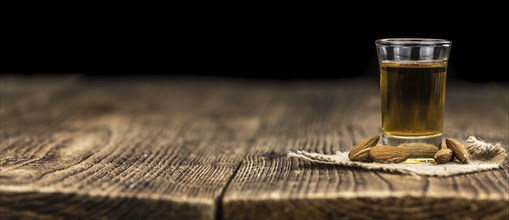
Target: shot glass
x=412 y=87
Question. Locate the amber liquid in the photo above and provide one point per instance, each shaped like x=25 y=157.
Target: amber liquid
x=413 y=97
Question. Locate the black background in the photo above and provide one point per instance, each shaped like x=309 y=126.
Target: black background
x=240 y=44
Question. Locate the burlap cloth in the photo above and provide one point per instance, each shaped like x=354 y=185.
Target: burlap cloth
x=476 y=148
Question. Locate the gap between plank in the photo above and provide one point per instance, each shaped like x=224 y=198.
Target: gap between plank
x=219 y=200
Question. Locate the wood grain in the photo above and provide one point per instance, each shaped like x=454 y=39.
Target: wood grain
x=216 y=149
x=328 y=117
x=131 y=150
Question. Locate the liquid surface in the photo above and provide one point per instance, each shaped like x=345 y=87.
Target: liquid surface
x=413 y=97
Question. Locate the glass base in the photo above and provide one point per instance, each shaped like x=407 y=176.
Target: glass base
x=394 y=140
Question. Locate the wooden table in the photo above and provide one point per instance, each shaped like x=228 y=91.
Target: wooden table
x=194 y=148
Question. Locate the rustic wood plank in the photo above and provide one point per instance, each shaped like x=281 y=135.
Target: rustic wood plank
x=167 y=149
x=326 y=117
x=132 y=149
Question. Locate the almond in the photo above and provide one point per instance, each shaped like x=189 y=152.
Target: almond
x=443 y=155
x=420 y=150
x=389 y=154
x=457 y=149
x=362 y=156
x=359 y=152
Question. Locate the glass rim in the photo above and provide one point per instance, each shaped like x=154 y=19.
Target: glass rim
x=412 y=41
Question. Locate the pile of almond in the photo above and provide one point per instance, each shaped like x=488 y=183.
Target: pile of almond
x=367 y=151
